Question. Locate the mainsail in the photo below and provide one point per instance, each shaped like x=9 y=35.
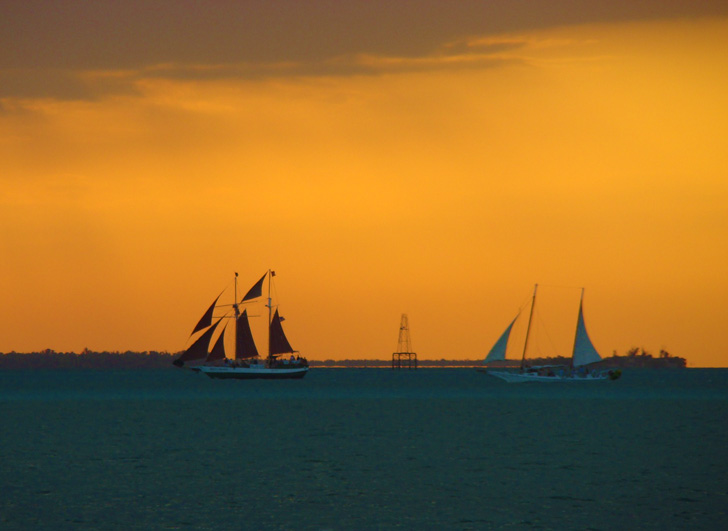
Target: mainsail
x=244 y=343
x=584 y=351
x=198 y=349
x=256 y=290
x=206 y=319
x=218 y=351
x=278 y=343
x=498 y=352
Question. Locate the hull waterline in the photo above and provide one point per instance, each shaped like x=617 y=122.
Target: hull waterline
x=251 y=373
x=517 y=377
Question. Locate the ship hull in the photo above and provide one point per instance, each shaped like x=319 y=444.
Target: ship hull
x=522 y=377
x=253 y=373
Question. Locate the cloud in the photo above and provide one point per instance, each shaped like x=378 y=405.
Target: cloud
x=72 y=84
x=82 y=50
x=62 y=84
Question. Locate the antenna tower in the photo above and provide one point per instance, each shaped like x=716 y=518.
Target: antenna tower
x=404 y=347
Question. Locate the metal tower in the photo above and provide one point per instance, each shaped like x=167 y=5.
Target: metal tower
x=404 y=347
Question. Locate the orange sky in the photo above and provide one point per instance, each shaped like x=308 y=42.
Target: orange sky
x=438 y=168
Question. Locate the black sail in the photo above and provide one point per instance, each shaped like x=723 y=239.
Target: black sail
x=206 y=320
x=256 y=290
x=244 y=343
x=198 y=349
x=218 y=351
x=278 y=343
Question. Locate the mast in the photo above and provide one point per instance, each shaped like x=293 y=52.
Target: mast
x=528 y=329
x=576 y=332
x=270 y=310
x=236 y=311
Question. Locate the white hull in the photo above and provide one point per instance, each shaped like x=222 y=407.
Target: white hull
x=251 y=373
x=522 y=377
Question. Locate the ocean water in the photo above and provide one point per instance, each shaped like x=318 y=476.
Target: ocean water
x=362 y=449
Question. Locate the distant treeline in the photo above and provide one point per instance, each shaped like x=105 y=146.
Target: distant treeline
x=373 y=363
x=49 y=359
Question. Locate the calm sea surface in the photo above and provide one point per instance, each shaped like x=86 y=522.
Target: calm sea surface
x=362 y=449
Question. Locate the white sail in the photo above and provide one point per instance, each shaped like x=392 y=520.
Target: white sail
x=584 y=351
x=498 y=351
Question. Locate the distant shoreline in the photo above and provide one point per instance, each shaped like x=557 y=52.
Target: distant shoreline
x=50 y=359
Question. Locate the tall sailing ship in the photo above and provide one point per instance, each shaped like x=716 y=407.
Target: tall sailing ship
x=583 y=354
x=281 y=362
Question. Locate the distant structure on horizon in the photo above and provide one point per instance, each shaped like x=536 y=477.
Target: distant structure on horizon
x=404 y=347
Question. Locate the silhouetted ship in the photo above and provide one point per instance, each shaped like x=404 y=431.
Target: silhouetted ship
x=583 y=354
x=282 y=362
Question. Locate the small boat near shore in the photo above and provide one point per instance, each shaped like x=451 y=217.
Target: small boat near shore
x=583 y=354
x=281 y=362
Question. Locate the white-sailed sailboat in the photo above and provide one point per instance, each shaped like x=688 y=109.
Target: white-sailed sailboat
x=583 y=354
x=282 y=362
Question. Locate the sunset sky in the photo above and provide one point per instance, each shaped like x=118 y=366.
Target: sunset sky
x=428 y=157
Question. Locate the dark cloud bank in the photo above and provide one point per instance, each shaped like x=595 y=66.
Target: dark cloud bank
x=47 y=48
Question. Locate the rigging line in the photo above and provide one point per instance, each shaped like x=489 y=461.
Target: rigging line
x=227 y=287
x=546 y=333
x=525 y=303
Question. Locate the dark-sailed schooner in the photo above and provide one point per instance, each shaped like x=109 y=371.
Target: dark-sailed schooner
x=282 y=362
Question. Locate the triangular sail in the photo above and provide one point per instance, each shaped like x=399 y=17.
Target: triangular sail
x=218 y=351
x=256 y=290
x=206 y=319
x=278 y=343
x=244 y=343
x=584 y=351
x=198 y=349
x=498 y=351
